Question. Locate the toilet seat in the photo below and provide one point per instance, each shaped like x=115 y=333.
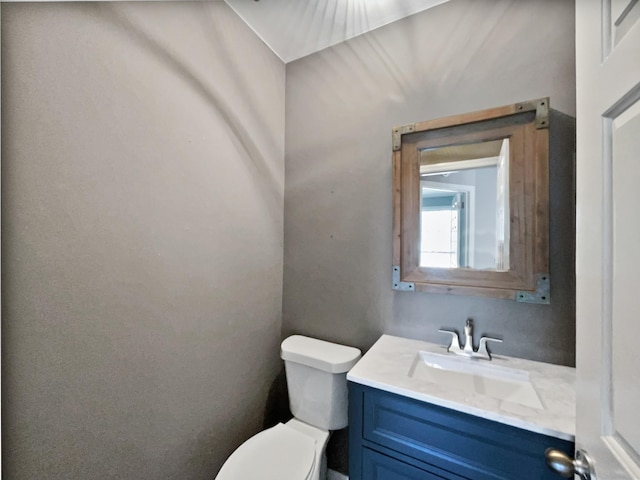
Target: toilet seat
x=279 y=453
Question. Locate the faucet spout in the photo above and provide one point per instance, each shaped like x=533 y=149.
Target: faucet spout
x=468 y=334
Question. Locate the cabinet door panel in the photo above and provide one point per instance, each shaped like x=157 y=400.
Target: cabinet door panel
x=380 y=467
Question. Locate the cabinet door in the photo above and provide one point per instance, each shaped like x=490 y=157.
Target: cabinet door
x=376 y=466
x=453 y=441
x=435 y=442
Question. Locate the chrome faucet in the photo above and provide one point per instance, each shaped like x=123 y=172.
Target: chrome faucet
x=468 y=351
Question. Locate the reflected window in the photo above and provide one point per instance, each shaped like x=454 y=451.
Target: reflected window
x=440 y=247
x=443 y=223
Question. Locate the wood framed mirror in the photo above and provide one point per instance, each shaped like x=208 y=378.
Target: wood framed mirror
x=471 y=204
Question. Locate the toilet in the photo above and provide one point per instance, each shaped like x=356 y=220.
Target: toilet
x=317 y=380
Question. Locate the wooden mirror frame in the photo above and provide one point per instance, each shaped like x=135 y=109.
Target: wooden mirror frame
x=526 y=125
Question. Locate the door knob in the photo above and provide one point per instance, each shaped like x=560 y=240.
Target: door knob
x=567 y=467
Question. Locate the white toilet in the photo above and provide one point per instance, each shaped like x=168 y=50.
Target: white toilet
x=317 y=380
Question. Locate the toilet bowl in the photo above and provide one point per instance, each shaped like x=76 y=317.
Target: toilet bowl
x=316 y=377
x=283 y=452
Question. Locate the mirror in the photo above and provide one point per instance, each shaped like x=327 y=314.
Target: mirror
x=471 y=203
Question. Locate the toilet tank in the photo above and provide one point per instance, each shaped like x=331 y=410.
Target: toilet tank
x=317 y=380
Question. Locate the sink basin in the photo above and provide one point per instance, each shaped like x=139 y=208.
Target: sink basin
x=475 y=376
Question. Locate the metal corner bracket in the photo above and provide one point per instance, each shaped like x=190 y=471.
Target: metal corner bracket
x=396 y=284
x=542 y=294
x=541 y=106
x=397 y=132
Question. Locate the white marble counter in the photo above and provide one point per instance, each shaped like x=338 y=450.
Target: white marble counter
x=387 y=364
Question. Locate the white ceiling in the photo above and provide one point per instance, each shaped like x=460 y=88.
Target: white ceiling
x=296 y=28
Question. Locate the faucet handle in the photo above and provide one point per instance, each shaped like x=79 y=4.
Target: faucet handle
x=482 y=348
x=455 y=342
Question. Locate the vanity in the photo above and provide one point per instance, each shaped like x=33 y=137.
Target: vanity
x=419 y=412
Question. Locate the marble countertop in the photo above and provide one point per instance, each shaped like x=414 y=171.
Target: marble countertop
x=387 y=364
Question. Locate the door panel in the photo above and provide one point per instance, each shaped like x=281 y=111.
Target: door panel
x=624 y=15
x=625 y=378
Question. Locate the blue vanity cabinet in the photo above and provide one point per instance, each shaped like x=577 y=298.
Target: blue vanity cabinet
x=392 y=437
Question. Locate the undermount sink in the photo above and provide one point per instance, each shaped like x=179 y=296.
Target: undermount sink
x=475 y=376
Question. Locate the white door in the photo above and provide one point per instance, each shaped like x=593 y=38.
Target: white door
x=608 y=235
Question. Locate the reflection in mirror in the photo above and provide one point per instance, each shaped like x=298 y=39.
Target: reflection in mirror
x=464 y=206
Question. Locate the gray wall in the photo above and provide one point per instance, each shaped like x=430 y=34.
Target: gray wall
x=142 y=224
x=341 y=104
x=142 y=216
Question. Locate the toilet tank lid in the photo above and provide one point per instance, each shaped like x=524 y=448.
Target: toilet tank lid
x=326 y=356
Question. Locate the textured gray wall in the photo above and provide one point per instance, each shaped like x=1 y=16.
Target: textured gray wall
x=341 y=104
x=142 y=224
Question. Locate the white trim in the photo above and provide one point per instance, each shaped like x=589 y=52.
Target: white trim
x=621 y=454
x=459 y=165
